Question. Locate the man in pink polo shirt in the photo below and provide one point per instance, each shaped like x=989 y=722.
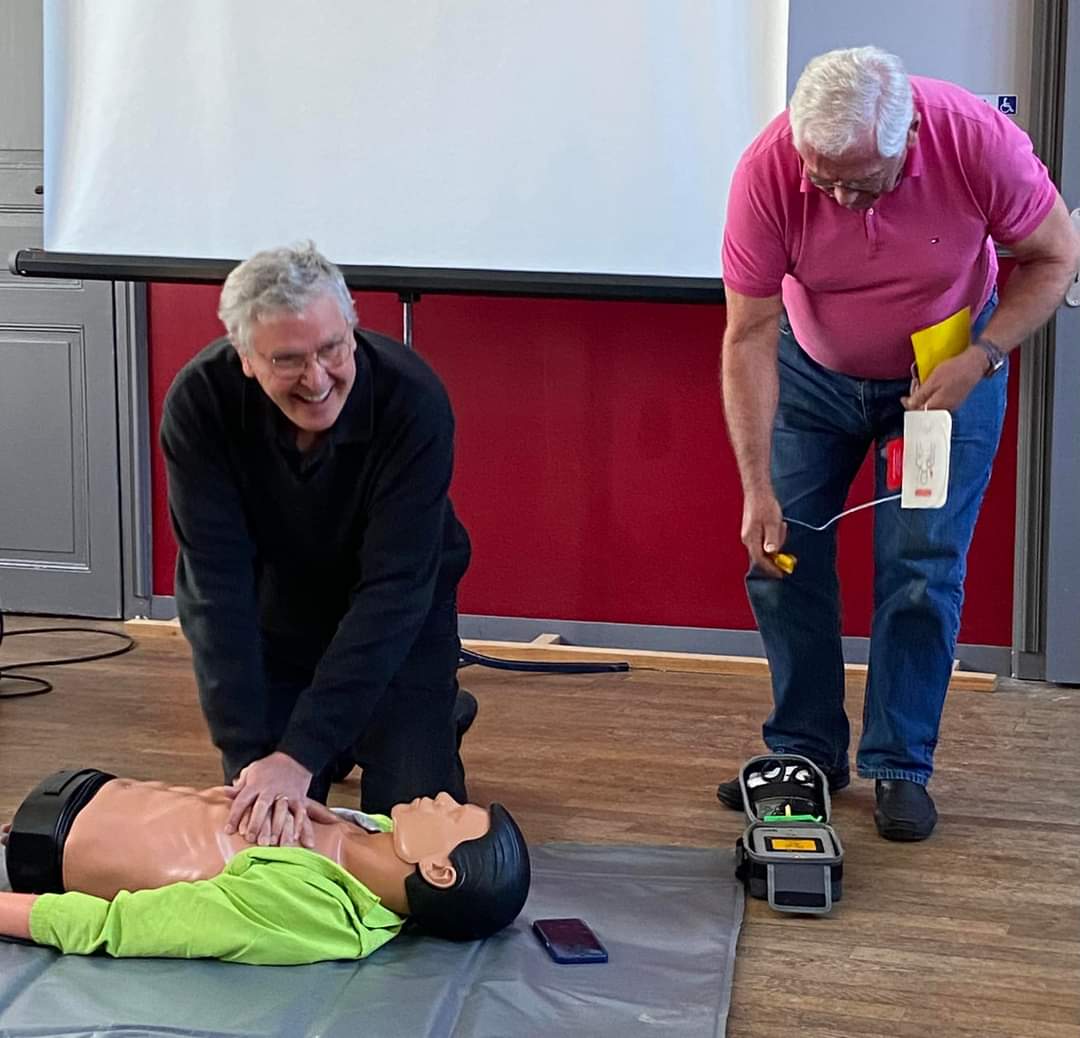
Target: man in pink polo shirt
x=868 y=211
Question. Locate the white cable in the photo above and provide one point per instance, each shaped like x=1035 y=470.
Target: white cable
x=847 y=511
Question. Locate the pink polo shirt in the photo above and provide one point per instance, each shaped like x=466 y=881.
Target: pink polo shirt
x=857 y=284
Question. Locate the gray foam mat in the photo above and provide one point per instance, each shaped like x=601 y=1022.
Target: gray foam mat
x=669 y=917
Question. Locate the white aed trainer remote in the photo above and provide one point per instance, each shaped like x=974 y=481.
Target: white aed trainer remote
x=927 y=439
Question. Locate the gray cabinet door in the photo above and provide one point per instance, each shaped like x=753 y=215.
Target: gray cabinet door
x=59 y=468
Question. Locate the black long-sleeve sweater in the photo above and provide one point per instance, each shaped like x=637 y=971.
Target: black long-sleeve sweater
x=337 y=554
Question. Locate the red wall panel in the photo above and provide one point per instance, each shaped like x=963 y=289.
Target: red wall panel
x=593 y=471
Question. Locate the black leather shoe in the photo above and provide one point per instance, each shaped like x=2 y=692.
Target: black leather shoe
x=730 y=793
x=465 y=709
x=904 y=810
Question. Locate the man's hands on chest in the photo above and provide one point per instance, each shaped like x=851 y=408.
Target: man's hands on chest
x=949 y=383
x=270 y=803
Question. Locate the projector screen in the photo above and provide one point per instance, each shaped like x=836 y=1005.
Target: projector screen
x=572 y=136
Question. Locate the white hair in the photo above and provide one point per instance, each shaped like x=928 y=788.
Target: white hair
x=845 y=95
x=277 y=281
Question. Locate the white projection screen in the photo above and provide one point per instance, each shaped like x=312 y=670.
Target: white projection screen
x=580 y=136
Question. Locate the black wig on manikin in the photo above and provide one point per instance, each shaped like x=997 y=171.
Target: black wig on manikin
x=492 y=883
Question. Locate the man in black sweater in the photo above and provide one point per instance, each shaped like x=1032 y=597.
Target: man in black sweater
x=319 y=554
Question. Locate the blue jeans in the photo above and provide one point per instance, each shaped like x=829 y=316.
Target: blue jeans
x=825 y=423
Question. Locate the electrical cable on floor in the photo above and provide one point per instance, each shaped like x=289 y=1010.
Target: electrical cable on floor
x=468 y=658
x=39 y=686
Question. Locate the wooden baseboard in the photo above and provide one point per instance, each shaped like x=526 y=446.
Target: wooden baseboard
x=547 y=647
x=143 y=628
x=542 y=649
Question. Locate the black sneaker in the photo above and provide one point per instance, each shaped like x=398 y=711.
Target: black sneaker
x=904 y=811
x=465 y=709
x=730 y=793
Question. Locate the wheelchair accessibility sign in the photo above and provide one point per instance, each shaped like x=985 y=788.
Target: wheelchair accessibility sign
x=1004 y=103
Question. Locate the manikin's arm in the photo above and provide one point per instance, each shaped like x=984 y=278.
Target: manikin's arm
x=275 y=907
x=14 y=908
x=15 y=914
x=183 y=920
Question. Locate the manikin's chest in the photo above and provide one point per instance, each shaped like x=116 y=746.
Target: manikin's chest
x=141 y=836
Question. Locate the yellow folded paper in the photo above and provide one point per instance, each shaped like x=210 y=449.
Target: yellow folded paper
x=941 y=341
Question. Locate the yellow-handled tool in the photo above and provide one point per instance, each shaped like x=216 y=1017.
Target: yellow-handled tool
x=783 y=561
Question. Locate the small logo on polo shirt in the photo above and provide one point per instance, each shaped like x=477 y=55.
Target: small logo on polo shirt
x=934 y=241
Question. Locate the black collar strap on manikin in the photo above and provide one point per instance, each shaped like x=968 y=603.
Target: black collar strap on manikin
x=789 y=853
x=35 y=850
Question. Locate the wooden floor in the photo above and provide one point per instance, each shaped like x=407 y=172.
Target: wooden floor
x=973 y=933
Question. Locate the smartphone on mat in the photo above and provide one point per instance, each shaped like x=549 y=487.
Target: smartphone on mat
x=569 y=940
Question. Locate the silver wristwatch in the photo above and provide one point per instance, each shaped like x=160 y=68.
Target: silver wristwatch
x=995 y=356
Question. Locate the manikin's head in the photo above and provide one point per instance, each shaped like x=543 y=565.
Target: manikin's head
x=291 y=319
x=471 y=866
x=853 y=121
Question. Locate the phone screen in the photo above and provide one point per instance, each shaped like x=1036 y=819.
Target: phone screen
x=569 y=940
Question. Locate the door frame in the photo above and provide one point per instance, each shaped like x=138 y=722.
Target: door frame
x=1046 y=572
x=135 y=446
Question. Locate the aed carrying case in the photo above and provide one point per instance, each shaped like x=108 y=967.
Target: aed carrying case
x=789 y=854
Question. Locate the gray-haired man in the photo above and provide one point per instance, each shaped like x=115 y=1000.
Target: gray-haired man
x=319 y=554
x=864 y=213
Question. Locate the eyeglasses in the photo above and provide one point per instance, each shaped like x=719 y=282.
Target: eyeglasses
x=328 y=357
x=865 y=187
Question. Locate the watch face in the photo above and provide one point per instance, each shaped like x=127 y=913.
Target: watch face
x=995 y=358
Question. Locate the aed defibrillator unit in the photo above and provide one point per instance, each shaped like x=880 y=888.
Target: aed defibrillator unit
x=789 y=854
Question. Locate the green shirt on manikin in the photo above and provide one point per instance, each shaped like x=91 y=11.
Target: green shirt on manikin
x=270 y=906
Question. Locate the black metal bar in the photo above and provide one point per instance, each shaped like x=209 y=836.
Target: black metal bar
x=432 y=280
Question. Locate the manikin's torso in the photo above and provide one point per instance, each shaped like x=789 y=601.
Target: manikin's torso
x=142 y=835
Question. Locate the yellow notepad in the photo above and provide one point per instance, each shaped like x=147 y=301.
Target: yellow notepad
x=941 y=341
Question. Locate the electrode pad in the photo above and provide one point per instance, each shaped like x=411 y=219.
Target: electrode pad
x=927 y=439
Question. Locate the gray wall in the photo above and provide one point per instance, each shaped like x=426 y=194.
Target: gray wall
x=984 y=45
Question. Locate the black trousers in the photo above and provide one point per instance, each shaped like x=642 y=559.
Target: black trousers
x=408 y=748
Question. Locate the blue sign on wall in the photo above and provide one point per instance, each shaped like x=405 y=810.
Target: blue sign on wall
x=1004 y=103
